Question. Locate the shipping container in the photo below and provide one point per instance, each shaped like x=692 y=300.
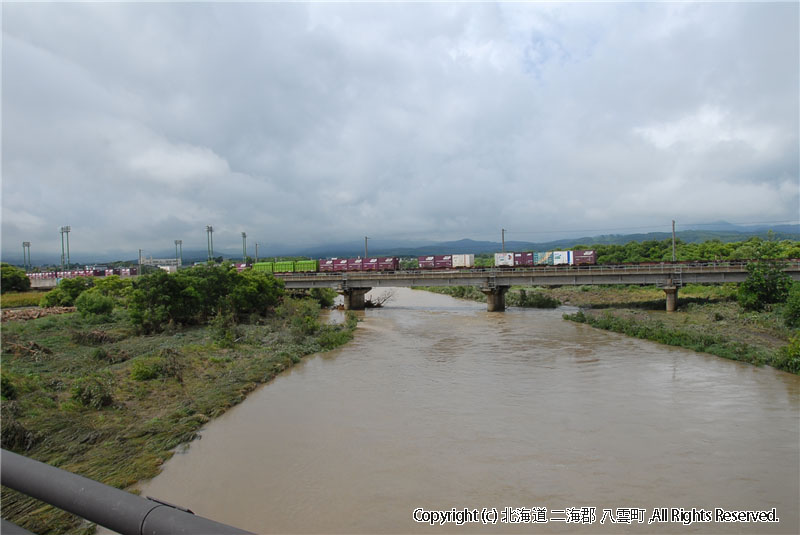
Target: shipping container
x=443 y=261
x=326 y=265
x=562 y=258
x=543 y=259
x=426 y=262
x=389 y=263
x=370 y=264
x=354 y=264
x=340 y=264
x=523 y=259
x=266 y=267
x=584 y=257
x=286 y=266
x=463 y=260
x=504 y=259
x=306 y=266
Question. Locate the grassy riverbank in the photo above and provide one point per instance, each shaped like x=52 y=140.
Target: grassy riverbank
x=708 y=319
x=96 y=398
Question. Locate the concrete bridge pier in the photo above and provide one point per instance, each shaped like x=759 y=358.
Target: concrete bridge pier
x=672 y=297
x=495 y=298
x=354 y=298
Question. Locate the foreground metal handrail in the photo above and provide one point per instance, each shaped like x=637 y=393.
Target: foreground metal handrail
x=110 y=507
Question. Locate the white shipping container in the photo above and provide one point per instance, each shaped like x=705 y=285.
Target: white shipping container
x=561 y=258
x=463 y=260
x=504 y=259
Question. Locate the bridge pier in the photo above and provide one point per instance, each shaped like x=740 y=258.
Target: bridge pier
x=672 y=297
x=495 y=298
x=354 y=298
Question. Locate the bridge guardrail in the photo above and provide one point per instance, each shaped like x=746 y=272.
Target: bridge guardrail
x=115 y=509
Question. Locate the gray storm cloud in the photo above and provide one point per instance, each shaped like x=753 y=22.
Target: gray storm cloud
x=140 y=123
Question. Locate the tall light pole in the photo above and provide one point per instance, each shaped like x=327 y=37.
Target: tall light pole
x=179 y=258
x=244 y=247
x=366 y=250
x=503 y=238
x=65 y=230
x=256 y=251
x=26 y=258
x=210 y=235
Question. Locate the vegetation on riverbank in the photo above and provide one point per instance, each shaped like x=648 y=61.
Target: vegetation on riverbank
x=20 y=299
x=95 y=395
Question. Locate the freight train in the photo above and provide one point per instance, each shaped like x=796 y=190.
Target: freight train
x=455 y=261
x=122 y=272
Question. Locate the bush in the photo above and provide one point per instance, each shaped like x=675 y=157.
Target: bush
x=94 y=303
x=324 y=296
x=93 y=391
x=532 y=300
x=13 y=279
x=66 y=293
x=788 y=357
x=791 y=311
x=167 y=363
x=766 y=284
x=7 y=388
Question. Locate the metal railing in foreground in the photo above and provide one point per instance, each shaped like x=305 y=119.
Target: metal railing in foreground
x=107 y=506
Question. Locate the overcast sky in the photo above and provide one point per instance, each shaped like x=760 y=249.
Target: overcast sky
x=139 y=124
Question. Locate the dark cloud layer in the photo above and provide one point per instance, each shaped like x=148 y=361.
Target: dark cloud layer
x=138 y=124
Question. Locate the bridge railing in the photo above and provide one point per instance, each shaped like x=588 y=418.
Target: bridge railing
x=107 y=506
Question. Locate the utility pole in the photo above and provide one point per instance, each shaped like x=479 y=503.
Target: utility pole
x=256 y=251
x=140 y=263
x=26 y=259
x=503 y=237
x=673 y=242
x=210 y=240
x=366 y=251
x=244 y=247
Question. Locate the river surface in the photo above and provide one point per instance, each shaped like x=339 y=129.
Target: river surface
x=438 y=404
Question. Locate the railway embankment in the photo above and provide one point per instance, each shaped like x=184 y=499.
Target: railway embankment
x=94 y=396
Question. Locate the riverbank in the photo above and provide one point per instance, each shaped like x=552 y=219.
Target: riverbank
x=708 y=319
x=97 y=399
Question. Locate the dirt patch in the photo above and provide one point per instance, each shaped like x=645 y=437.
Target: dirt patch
x=33 y=313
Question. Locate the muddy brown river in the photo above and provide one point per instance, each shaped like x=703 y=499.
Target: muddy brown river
x=521 y=418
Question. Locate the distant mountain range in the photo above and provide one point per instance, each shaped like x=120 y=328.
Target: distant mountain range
x=725 y=232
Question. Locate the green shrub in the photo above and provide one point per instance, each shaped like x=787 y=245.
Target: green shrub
x=788 y=357
x=93 y=303
x=324 y=296
x=13 y=279
x=766 y=284
x=65 y=294
x=93 y=391
x=791 y=310
x=532 y=300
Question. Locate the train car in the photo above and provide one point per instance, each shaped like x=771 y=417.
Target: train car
x=463 y=260
x=286 y=266
x=426 y=262
x=543 y=259
x=340 y=264
x=562 y=258
x=523 y=259
x=326 y=265
x=306 y=266
x=265 y=267
x=443 y=261
x=587 y=258
x=389 y=263
x=355 y=264
x=369 y=264
x=504 y=260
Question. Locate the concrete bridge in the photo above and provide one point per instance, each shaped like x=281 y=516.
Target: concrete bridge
x=495 y=282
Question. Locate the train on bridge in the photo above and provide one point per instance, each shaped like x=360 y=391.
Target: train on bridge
x=454 y=261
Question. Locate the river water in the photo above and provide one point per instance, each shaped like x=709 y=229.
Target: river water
x=438 y=404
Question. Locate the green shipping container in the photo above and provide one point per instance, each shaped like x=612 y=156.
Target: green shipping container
x=267 y=267
x=284 y=267
x=305 y=266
